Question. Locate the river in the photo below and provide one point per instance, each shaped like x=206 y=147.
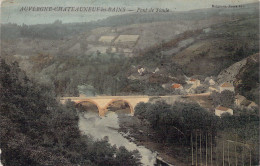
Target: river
x=99 y=127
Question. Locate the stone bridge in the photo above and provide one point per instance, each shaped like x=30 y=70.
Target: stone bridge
x=103 y=102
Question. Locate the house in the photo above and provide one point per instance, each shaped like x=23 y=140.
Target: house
x=239 y=99
x=212 y=89
x=252 y=105
x=194 y=82
x=156 y=70
x=245 y=103
x=188 y=88
x=212 y=82
x=248 y=104
x=177 y=86
x=167 y=86
x=227 y=86
x=141 y=71
x=221 y=110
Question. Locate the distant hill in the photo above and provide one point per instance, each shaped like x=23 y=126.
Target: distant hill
x=58 y=30
x=219 y=47
x=199 y=43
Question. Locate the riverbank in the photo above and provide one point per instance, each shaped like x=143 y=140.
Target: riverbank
x=107 y=127
x=139 y=132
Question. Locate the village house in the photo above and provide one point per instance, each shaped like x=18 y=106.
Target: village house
x=188 y=88
x=221 y=110
x=213 y=88
x=141 y=71
x=252 y=105
x=239 y=99
x=156 y=70
x=227 y=86
x=167 y=86
x=194 y=82
x=212 y=82
x=177 y=86
x=248 y=104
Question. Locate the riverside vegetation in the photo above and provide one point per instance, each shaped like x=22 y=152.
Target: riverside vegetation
x=202 y=136
x=42 y=132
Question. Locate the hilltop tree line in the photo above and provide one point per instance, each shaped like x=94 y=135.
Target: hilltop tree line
x=58 y=30
x=36 y=130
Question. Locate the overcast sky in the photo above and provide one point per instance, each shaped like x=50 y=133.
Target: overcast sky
x=10 y=9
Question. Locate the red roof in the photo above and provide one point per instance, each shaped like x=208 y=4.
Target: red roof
x=176 y=85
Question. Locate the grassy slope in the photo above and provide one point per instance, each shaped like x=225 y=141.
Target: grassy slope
x=215 y=50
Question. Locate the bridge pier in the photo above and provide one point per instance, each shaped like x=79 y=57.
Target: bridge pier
x=102 y=111
x=103 y=102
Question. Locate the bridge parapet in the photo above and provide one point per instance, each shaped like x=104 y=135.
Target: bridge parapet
x=102 y=102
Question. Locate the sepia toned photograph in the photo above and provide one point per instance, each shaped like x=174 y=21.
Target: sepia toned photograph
x=129 y=83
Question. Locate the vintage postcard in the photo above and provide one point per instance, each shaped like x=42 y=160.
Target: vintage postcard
x=129 y=83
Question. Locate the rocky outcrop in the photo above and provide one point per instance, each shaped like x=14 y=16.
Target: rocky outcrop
x=229 y=74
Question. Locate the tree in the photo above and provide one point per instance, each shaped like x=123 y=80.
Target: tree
x=225 y=98
x=176 y=123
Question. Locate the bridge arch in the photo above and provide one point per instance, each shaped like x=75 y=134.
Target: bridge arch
x=90 y=101
x=125 y=101
x=102 y=102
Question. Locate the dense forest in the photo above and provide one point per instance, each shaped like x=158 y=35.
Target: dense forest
x=249 y=75
x=198 y=132
x=36 y=130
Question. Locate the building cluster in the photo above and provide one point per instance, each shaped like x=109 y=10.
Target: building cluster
x=189 y=87
x=240 y=101
x=192 y=84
